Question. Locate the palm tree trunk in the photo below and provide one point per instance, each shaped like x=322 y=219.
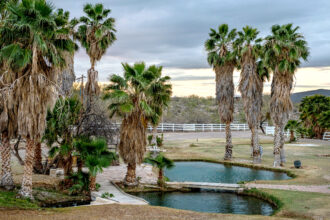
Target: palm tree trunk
x=6 y=175
x=255 y=144
x=282 y=141
x=277 y=147
x=160 y=177
x=92 y=183
x=229 y=146
x=92 y=87
x=26 y=189
x=130 y=178
x=154 y=135
x=291 y=135
x=38 y=159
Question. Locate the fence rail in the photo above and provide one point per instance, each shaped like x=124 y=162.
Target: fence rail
x=270 y=130
x=326 y=136
x=169 y=127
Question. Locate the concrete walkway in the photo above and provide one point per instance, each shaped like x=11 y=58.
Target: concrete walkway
x=312 y=188
x=117 y=174
x=119 y=196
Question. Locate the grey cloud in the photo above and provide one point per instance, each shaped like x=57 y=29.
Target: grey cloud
x=172 y=32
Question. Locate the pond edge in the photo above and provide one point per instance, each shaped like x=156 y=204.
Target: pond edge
x=258 y=167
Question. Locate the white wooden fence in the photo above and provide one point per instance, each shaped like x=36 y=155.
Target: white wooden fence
x=270 y=130
x=167 y=127
x=326 y=136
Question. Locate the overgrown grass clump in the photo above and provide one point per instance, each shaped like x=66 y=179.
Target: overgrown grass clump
x=9 y=200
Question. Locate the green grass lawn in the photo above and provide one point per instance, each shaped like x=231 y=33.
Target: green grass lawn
x=302 y=204
x=315 y=168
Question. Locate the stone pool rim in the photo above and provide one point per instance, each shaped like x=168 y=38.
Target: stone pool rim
x=254 y=166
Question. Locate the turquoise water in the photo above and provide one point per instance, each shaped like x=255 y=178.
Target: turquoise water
x=219 y=173
x=208 y=201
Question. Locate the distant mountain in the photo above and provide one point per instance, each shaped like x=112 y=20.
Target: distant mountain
x=297 y=97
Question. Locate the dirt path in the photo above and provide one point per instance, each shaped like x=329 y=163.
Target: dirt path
x=314 y=188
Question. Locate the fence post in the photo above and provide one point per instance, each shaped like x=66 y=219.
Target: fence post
x=173 y=127
x=162 y=127
x=203 y=128
x=211 y=127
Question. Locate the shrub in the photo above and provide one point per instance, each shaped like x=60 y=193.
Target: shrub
x=107 y=195
x=150 y=139
x=160 y=140
x=80 y=183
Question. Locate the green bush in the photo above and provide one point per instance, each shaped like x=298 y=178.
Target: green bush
x=160 y=140
x=80 y=183
x=149 y=139
x=107 y=195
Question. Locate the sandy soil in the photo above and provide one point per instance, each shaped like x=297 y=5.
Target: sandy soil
x=120 y=212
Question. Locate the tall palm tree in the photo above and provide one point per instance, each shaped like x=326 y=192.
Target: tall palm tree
x=8 y=122
x=284 y=49
x=132 y=98
x=251 y=82
x=160 y=162
x=222 y=58
x=33 y=54
x=66 y=78
x=96 y=34
x=161 y=98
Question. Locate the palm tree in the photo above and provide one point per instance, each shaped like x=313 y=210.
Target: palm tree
x=132 y=98
x=284 y=49
x=292 y=126
x=96 y=156
x=8 y=122
x=160 y=162
x=96 y=34
x=161 y=97
x=32 y=52
x=66 y=78
x=251 y=82
x=223 y=60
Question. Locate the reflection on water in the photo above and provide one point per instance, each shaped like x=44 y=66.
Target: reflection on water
x=209 y=202
x=219 y=173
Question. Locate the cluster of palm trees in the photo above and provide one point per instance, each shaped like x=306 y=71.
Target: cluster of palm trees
x=36 y=45
x=279 y=53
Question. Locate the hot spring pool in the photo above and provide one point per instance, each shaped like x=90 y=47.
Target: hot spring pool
x=209 y=201
x=194 y=171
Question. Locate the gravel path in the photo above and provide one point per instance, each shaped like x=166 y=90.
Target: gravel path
x=312 y=188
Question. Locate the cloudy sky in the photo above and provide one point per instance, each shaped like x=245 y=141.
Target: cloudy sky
x=172 y=33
